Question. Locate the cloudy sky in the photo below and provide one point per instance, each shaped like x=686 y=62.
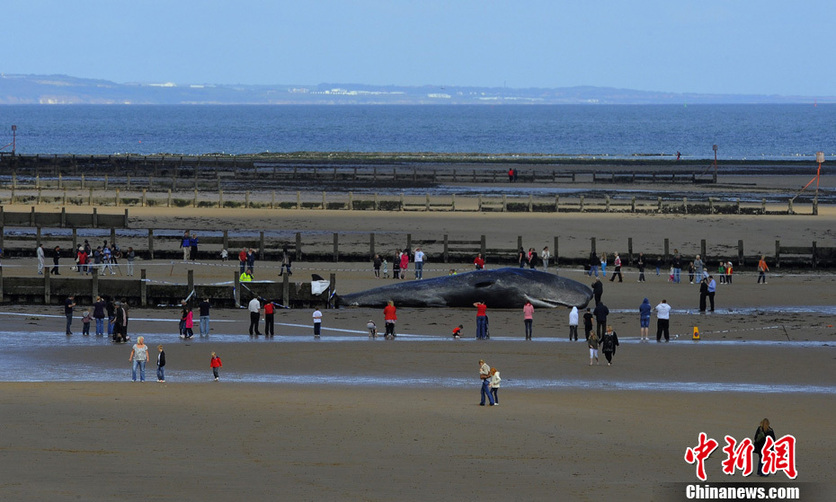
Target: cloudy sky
x=706 y=46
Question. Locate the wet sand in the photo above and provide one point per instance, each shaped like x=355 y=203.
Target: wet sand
x=351 y=419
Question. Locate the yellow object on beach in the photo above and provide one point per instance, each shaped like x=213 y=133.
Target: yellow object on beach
x=696 y=333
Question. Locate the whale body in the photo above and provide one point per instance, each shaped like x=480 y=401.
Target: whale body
x=498 y=288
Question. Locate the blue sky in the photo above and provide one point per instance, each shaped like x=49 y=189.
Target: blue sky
x=707 y=46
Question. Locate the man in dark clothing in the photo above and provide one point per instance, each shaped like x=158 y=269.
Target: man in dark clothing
x=69 y=303
x=601 y=312
x=587 y=323
x=597 y=290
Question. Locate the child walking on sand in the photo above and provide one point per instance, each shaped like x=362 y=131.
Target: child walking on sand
x=495 y=380
x=216 y=364
x=160 y=364
x=85 y=323
x=372 y=327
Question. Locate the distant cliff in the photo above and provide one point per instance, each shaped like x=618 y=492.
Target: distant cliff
x=62 y=89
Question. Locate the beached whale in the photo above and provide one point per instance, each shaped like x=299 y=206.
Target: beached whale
x=499 y=288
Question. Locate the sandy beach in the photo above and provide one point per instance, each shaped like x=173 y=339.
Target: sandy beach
x=347 y=418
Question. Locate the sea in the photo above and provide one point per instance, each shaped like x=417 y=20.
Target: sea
x=741 y=132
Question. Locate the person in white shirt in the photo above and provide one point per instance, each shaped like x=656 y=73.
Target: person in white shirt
x=317 y=323
x=663 y=315
x=573 y=324
x=419 y=263
x=255 y=316
x=40 y=253
x=545 y=256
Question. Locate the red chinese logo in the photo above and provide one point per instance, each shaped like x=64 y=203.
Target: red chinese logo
x=776 y=455
x=699 y=453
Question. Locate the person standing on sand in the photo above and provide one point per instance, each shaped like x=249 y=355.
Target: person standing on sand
x=528 y=319
x=41 y=257
x=419 y=264
x=587 y=323
x=573 y=324
x=317 y=323
x=396 y=265
x=390 y=316
x=495 y=382
x=404 y=263
x=644 y=319
x=762 y=269
x=641 y=264
x=186 y=243
x=130 y=257
x=593 y=265
x=691 y=270
x=160 y=364
x=69 y=303
x=712 y=288
x=99 y=315
x=242 y=261
x=479 y=262
x=592 y=343
x=205 y=308
x=663 y=316
x=193 y=241
x=139 y=355
x=597 y=290
x=485 y=376
x=761 y=433
x=254 y=307
x=522 y=258
x=604 y=265
x=376 y=263
x=481 y=321
x=545 y=256
x=286 y=261
x=703 y=294
x=677 y=266
x=601 y=312
x=608 y=344
x=269 y=324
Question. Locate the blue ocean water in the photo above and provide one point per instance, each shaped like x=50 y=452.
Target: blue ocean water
x=750 y=132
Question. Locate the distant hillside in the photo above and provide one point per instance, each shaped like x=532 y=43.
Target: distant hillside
x=62 y=89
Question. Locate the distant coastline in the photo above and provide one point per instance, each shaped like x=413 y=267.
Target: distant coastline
x=67 y=90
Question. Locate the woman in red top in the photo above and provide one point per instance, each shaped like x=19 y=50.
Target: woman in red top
x=390 y=316
x=479 y=262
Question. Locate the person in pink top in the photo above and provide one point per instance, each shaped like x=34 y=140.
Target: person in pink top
x=528 y=315
x=404 y=263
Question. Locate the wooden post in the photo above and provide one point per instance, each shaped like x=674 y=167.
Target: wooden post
x=667 y=248
x=94 y=282
x=90 y=197
x=226 y=240
x=777 y=253
x=143 y=288
x=117 y=197
x=75 y=239
x=480 y=203
x=298 y=199
x=151 y=243
x=298 y=246
x=47 y=287
x=555 y=252
x=446 y=249
x=32 y=221
x=286 y=290
x=427 y=207
x=237 y=288
x=633 y=205
x=740 y=252
x=815 y=255
x=324 y=203
x=702 y=251
x=194 y=201
x=504 y=202
x=371 y=246
x=64 y=197
x=247 y=199
x=659 y=204
x=169 y=198
x=556 y=203
x=112 y=235
x=789 y=207
x=581 y=202
x=629 y=250
x=401 y=204
x=125 y=219
x=336 y=247
x=453 y=202
x=144 y=197
x=530 y=203
x=38 y=236
x=685 y=204
x=519 y=242
x=409 y=242
x=261 y=245
x=592 y=247
x=220 y=198
x=190 y=281
x=95 y=217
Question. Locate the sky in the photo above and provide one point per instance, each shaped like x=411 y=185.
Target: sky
x=679 y=46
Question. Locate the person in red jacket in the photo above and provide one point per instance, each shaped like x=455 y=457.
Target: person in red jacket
x=390 y=316
x=269 y=307
x=216 y=364
x=479 y=262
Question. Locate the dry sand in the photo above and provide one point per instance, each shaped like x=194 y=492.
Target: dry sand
x=589 y=433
